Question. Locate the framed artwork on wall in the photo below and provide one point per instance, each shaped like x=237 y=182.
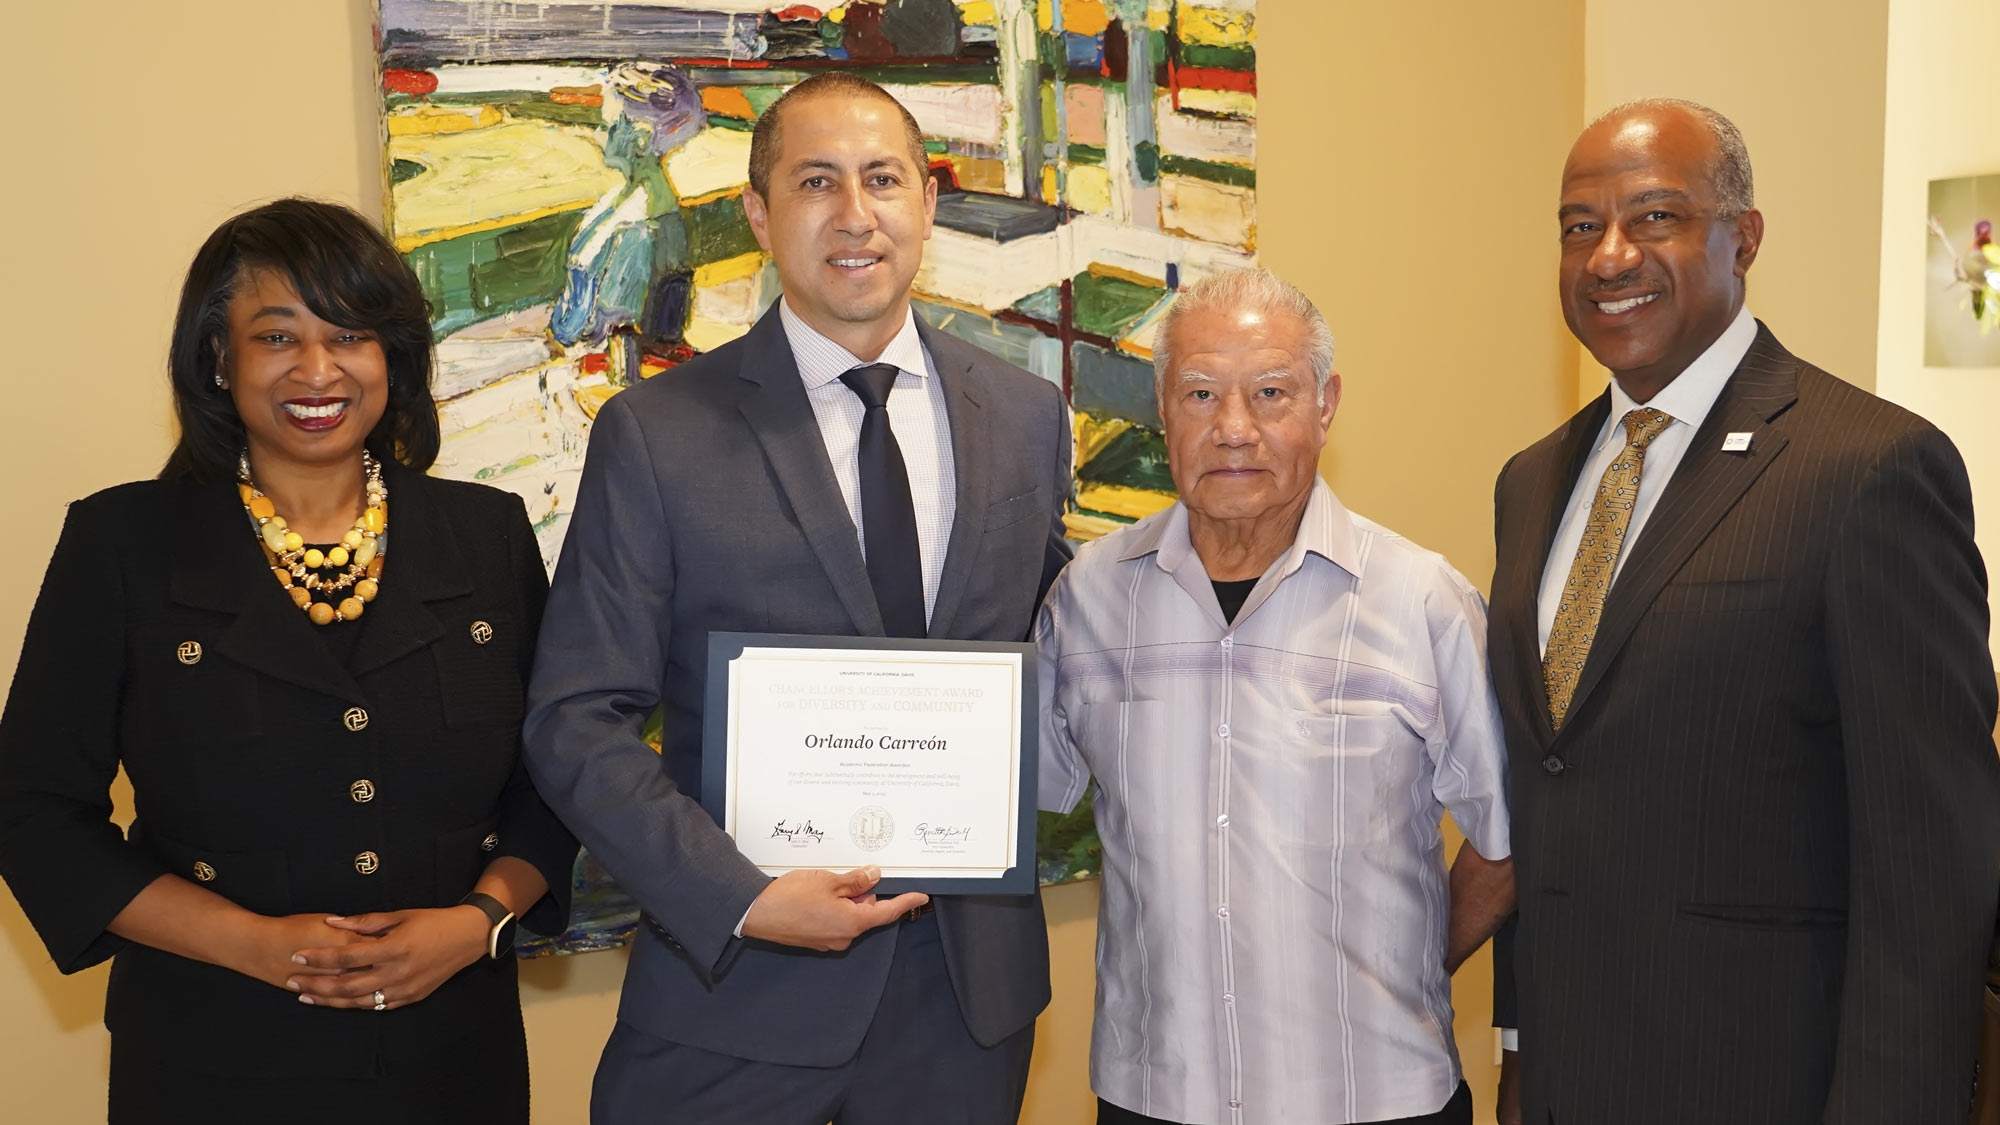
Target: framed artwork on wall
x=1962 y=274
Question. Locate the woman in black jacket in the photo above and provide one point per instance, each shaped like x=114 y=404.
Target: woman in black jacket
x=311 y=914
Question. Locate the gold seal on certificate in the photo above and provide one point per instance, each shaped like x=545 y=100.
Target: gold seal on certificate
x=916 y=756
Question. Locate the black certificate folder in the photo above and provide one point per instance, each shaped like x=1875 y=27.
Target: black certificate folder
x=875 y=767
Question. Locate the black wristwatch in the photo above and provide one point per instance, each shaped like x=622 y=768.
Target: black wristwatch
x=501 y=919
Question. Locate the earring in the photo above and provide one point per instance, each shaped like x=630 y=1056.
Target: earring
x=220 y=382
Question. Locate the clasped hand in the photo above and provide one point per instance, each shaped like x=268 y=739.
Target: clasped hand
x=824 y=910
x=405 y=954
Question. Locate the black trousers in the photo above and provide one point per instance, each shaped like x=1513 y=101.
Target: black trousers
x=1457 y=1111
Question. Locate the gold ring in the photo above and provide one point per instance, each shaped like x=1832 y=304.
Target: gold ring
x=380 y=1003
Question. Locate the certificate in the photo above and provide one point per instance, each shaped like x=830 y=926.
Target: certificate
x=917 y=756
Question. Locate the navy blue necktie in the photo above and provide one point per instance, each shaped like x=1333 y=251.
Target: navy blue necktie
x=888 y=517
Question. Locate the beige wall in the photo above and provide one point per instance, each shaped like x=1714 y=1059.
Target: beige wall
x=1938 y=125
x=1406 y=161
x=1803 y=80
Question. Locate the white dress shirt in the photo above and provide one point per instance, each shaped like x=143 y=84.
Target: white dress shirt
x=916 y=414
x=1687 y=400
x=1273 y=920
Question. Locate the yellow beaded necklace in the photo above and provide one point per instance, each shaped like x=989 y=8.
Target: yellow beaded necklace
x=356 y=559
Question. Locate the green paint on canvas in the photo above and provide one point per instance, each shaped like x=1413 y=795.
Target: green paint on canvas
x=1043 y=304
x=1085 y=154
x=1108 y=306
x=401 y=170
x=1146 y=161
x=1136 y=458
x=1211 y=170
x=1224 y=58
x=717 y=230
x=479 y=276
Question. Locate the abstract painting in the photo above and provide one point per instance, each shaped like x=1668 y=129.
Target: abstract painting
x=1962 y=274
x=566 y=180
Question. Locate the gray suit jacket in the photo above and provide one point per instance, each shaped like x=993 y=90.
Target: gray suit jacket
x=708 y=503
x=1757 y=864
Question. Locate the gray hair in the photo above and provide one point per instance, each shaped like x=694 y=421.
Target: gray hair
x=1729 y=174
x=1259 y=289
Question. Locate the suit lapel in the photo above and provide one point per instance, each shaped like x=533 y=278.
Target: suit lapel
x=1705 y=486
x=421 y=566
x=1546 y=489
x=779 y=415
x=971 y=450
x=269 y=635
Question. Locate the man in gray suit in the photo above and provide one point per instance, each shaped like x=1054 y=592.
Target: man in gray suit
x=841 y=470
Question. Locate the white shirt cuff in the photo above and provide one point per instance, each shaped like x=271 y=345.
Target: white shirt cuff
x=1510 y=1038
x=739 y=922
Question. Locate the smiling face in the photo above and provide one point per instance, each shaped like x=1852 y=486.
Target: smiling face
x=1244 y=423
x=308 y=391
x=1651 y=272
x=845 y=217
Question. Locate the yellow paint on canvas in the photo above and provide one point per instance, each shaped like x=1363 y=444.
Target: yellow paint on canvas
x=1215 y=27
x=727 y=101
x=425 y=119
x=1120 y=500
x=1093 y=434
x=500 y=176
x=1100 y=269
x=591 y=399
x=1156 y=17
x=1222 y=103
x=708 y=335
x=728 y=269
x=1089 y=189
x=1048 y=181
x=1211 y=212
x=1083 y=528
x=715 y=160
x=979 y=173
x=977 y=13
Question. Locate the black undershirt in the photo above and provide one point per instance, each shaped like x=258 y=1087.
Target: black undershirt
x=1232 y=595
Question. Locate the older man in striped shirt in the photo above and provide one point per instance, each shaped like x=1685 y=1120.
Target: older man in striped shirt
x=1277 y=700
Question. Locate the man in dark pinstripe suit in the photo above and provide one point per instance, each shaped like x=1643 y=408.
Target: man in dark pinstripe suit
x=1739 y=634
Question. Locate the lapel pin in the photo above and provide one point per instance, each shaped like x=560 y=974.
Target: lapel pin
x=1736 y=443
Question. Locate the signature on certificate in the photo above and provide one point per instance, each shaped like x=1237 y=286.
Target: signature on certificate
x=797 y=833
x=944 y=833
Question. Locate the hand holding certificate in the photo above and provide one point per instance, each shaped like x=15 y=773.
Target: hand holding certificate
x=917 y=757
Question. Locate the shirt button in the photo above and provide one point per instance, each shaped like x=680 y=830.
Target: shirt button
x=367 y=863
x=1229 y=998
x=1222 y=821
x=491 y=841
x=362 y=791
x=203 y=871
x=189 y=652
x=1228 y=642
x=1222 y=912
x=355 y=718
x=1223 y=730
x=1553 y=765
x=1235 y=1104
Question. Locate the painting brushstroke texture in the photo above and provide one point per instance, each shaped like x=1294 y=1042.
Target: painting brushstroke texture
x=566 y=180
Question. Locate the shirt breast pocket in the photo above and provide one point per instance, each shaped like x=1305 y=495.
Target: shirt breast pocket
x=1336 y=776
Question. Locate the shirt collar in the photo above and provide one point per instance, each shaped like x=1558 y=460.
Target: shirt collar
x=821 y=361
x=1692 y=394
x=1326 y=530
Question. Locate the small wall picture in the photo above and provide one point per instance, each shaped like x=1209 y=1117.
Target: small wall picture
x=1962 y=274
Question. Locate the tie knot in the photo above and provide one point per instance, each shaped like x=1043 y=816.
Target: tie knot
x=1643 y=425
x=872 y=384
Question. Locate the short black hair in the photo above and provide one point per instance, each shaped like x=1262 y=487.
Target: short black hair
x=349 y=274
x=764 y=136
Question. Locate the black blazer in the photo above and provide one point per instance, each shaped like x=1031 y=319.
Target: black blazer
x=1757 y=866
x=247 y=761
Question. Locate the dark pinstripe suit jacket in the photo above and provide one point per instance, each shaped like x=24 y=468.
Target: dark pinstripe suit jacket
x=1758 y=865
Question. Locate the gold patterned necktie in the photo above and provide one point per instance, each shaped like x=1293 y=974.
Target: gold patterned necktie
x=1596 y=558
